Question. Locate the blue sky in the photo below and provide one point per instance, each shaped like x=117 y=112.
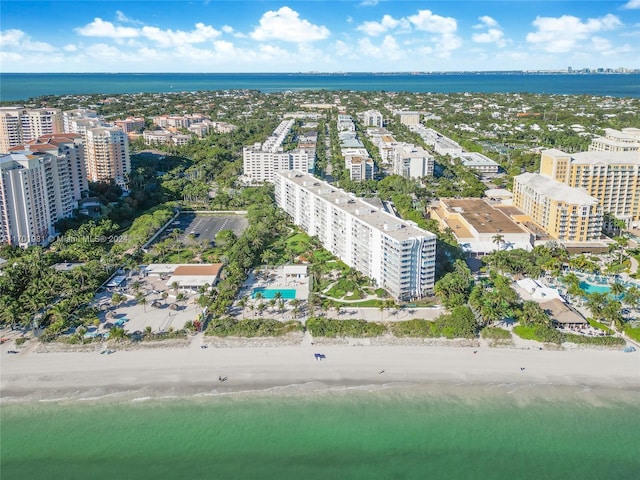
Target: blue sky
x=326 y=36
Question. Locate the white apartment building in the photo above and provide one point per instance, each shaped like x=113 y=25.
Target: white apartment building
x=262 y=161
x=408 y=118
x=107 y=155
x=68 y=149
x=627 y=140
x=345 y=123
x=411 y=161
x=441 y=144
x=372 y=118
x=478 y=162
x=396 y=254
x=360 y=167
x=19 y=125
x=35 y=192
x=71 y=117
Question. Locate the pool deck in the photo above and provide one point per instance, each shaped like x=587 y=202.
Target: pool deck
x=275 y=279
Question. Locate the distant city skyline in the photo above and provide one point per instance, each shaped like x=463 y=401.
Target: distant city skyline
x=297 y=36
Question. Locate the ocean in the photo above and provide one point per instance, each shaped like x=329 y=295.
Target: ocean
x=384 y=434
x=22 y=86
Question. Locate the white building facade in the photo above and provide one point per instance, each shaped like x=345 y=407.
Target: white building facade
x=411 y=161
x=398 y=255
x=35 y=192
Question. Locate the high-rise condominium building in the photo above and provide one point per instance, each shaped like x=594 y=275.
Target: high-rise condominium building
x=566 y=213
x=107 y=155
x=398 y=255
x=19 y=125
x=611 y=177
x=35 y=192
x=262 y=161
x=68 y=148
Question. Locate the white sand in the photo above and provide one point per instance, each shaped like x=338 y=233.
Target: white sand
x=192 y=370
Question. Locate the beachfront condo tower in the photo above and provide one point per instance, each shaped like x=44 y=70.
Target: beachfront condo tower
x=395 y=253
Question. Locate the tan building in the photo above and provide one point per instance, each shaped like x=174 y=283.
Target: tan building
x=627 y=140
x=611 y=177
x=479 y=227
x=19 y=125
x=68 y=148
x=107 y=155
x=568 y=214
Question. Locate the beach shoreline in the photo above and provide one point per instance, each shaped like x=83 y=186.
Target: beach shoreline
x=180 y=371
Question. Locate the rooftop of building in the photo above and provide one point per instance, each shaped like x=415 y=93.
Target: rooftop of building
x=377 y=218
x=611 y=158
x=481 y=216
x=475 y=158
x=555 y=190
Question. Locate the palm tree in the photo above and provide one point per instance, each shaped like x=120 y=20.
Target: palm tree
x=617 y=289
x=497 y=239
x=142 y=300
x=175 y=286
x=164 y=296
x=295 y=303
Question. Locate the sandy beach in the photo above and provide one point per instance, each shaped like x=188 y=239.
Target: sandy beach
x=191 y=370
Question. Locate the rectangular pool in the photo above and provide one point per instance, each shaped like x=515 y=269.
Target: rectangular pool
x=269 y=293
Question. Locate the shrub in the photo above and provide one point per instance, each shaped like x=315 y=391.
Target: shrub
x=414 y=328
x=326 y=327
x=496 y=333
x=540 y=333
x=604 y=341
x=21 y=341
x=249 y=328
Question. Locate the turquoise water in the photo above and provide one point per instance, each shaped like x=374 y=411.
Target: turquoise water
x=591 y=288
x=269 y=293
x=335 y=436
x=21 y=86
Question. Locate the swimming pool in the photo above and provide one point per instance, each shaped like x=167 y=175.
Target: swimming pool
x=591 y=288
x=269 y=293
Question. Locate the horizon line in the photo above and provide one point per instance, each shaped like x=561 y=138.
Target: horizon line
x=602 y=70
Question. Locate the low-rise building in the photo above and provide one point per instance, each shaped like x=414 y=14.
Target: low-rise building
x=479 y=227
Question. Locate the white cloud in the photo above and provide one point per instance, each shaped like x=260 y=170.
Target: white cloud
x=121 y=17
x=227 y=29
x=426 y=21
x=388 y=49
x=561 y=34
x=70 y=48
x=167 y=38
x=377 y=28
x=494 y=33
x=285 y=24
x=486 y=21
x=371 y=3
x=17 y=38
x=100 y=28
x=632 y=5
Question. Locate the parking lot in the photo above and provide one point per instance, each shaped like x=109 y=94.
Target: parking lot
x=206 y=227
